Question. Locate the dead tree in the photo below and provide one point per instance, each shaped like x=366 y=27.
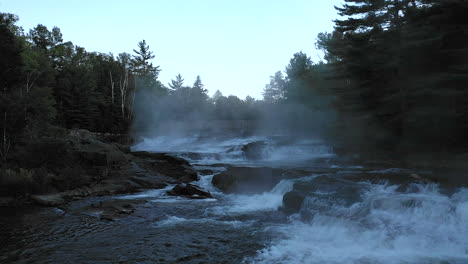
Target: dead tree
x=112 y=86
x=31 y=78
x=123 y=85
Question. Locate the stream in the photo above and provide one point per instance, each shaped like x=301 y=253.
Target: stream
x=346 y=217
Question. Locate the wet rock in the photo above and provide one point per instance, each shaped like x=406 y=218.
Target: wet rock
x=292 y=201
x=254 y=150
x=206 y=172
x=252 y=180
x=189 y=191
x=111 y=209
x=48 y=199
x=325 y=191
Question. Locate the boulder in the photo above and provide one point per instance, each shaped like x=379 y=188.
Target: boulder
x=189 y=191
x=173 y=167
x=252 y=180
x=292 y=201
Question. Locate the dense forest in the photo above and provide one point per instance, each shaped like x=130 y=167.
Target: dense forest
x=393 y=79
x=395 y=72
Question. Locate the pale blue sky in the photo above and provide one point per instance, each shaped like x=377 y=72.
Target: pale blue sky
x=234 y=45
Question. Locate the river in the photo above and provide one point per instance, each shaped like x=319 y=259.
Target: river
x=345 y=217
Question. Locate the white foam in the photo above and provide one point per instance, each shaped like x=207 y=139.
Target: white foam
x=148 y=193
x=229 y=150
x=267 y=201
x=175 y=220
x=399 y=228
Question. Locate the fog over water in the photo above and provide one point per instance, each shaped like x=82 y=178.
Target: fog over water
x=340 y=220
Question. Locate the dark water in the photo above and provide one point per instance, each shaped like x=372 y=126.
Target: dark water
x=345 y=218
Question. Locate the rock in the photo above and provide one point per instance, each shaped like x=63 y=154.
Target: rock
x=254 y=150
x=92 y=158
x=292 y=201
x=48 y=199
x=252 y=180
x=106 y=216
x=328 y=189
x=111 y=209
x=86 y=166
x=114 y=186
x=159 y=163
x=206 y=172
x=123 y=148
x=189 y=191
x=148 y=182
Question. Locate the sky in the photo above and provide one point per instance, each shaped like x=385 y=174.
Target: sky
x=234 y=45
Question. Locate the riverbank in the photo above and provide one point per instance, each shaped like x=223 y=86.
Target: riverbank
x=81 y=164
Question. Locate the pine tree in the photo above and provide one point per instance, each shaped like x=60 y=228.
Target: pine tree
x=178 y=83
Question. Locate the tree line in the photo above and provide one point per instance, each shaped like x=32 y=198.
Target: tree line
x=393 y=78
x=47 y=84
x=395 y=72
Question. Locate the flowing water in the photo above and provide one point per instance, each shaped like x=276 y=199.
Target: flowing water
x=346 y=217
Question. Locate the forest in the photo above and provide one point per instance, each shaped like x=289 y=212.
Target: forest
x=393 y=80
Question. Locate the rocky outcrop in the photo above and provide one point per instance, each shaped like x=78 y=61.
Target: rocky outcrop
x=252 y=180
x=189 y=191
x=109 y=169
x=178 y=169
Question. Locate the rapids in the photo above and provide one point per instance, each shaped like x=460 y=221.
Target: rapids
x=344 y=218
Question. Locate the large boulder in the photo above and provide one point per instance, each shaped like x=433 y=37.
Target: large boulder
x=175 y=168
x=252 y=180
x=189 y=191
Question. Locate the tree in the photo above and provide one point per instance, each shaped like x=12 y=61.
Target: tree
x=177 y=83
x=9 y=21
x=216 y=96
x=145 y=74
x=45 y=39
x=199 y=86
x=10 y=77
x=276 y=89
x=198 y=93
x=141 y=62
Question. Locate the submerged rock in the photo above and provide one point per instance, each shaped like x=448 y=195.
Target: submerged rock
x=111 y=209
x=189 y=191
